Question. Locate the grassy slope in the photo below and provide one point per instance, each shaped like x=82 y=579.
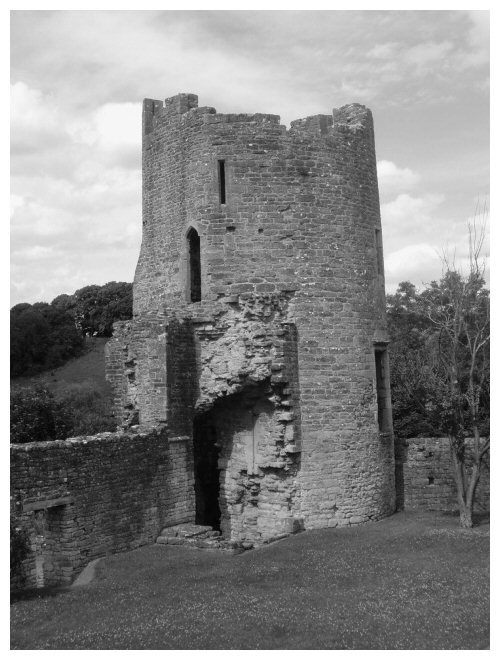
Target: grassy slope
x=86 y=368
x=411 y=581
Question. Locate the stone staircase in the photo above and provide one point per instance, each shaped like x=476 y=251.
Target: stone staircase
x=200 y=536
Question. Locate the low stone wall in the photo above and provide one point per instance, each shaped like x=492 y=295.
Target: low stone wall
x=83 y=498
x=424 y=476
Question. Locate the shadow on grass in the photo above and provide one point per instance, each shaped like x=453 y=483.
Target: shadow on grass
x=478 y=519
x=37 y=593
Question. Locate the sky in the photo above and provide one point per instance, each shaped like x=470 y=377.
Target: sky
x=77 y=83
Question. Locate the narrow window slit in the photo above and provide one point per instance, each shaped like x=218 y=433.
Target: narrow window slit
x=383 y=390
x=222 y=181
x=194 y=272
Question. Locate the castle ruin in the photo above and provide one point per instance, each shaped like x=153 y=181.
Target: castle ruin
x=259 y=335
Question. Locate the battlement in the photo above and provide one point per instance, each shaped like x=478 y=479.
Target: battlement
x=352 y=117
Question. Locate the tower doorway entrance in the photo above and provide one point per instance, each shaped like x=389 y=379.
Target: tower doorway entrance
x=206 y=472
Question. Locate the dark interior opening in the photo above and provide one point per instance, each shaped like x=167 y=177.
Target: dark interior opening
x=194 y=266
x=206 y=472
x=222 y=181
x=382 y=389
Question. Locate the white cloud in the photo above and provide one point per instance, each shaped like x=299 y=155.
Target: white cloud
x=76 y=117
x=414 y=233
x=424 y=56
x=407 y=215
x=393 y=179
x=35 y=119
x=382 y=51
x=478 y=38
x=418 y=263
x=113 y=131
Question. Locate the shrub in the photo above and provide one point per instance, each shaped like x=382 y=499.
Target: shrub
x=35 y=416
x=87 y=409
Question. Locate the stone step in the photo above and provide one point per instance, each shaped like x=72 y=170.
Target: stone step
x=199 y=536
x=187 y=530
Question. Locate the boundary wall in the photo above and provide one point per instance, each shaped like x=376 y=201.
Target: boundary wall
x=83 y=498
x=424 y=476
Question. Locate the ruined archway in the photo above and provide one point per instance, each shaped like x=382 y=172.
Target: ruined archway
x=244 y=478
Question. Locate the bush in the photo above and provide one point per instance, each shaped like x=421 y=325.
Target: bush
x=87 y=409
x=36 y=416
x=19 y=548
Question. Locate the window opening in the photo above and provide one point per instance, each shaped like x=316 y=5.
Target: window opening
x=222 y=181
x=378 y=244
x=383 y=390
x=194 y=266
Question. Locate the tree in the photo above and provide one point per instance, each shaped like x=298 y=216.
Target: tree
x=41 y=337
x=459 y=311
x=410 y=393
x=440 y=368
x=96 y=308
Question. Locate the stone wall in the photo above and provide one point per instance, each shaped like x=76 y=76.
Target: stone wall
x=424 y=476
x=86 y=497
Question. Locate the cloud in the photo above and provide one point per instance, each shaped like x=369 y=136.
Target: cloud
x=393 y=179
x=414 y=232
x=36 y=121
x=409 y=214
x=113 y=131
x=76 y=194
x=478 y=38
x=78 y=77
x=424 y=56
x=418 y=263
x=419 y=239
x=383 y=51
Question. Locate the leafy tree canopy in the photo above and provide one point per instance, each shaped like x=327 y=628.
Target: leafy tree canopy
x=44 y=336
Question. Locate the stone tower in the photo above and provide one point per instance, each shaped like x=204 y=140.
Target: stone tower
x=259 y=334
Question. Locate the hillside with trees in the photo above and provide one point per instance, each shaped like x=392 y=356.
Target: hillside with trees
x=44 y=336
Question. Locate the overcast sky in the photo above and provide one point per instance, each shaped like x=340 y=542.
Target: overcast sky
x=78 y=80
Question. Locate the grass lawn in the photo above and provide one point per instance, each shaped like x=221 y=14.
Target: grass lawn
x=411 y=581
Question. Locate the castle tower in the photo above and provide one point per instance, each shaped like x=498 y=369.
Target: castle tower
x=259 y=334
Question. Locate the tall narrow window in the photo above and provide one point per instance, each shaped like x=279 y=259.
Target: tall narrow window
x=222 y=181
x=194 y=266
x=383 y=390
x=378 y=246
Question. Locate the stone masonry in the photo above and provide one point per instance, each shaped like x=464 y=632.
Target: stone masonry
x=82 y=498
x=424 y=476
x=259 y=332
